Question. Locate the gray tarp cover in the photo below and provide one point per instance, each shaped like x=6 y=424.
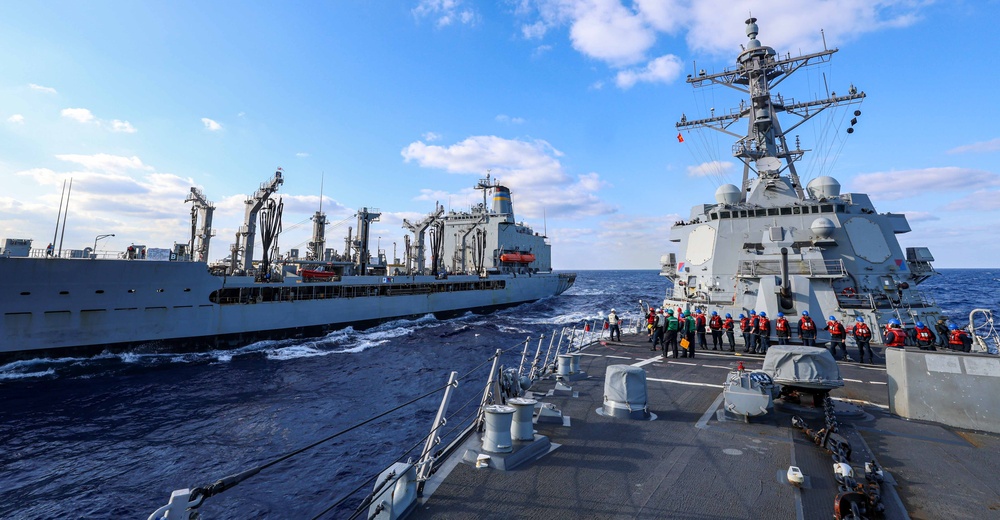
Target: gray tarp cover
x=625 y=384
x=797 y=365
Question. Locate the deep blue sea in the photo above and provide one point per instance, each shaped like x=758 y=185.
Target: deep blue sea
x=111 y=436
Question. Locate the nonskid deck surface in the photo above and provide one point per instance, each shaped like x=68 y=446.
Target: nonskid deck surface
x=694 y=462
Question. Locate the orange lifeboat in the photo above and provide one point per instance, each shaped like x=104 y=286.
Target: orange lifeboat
x=309 y=274
x=517 y=258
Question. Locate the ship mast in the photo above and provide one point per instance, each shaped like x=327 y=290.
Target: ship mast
x=764 y=147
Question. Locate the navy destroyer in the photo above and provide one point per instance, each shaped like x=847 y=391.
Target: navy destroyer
x=476 y=260
x=774 y=245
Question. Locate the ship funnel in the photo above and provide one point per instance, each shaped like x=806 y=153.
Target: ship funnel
x=501 y=201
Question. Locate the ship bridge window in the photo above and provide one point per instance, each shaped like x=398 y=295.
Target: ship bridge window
x=840 y=208
x=99 y=291
x=761 y=213
x=724 y=214
x=714 y=216
x=772 y=211
x=786 y=211
x=25 y=293
x=64 y=292
x=743 y=213
x=826 y=208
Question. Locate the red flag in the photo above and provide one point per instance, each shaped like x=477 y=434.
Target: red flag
x=680 y=138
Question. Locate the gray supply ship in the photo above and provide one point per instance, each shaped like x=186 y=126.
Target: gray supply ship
x=477 y=260
x=772 y=244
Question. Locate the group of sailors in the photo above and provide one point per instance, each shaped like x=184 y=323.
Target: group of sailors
x=668 y=329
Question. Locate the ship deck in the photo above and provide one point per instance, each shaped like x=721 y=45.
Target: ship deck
x=694 y=462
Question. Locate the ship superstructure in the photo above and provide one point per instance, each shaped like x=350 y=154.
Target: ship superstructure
x=475 y=261
x=773 y=245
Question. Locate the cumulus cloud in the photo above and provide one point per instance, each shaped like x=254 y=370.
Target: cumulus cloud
x=986 y=199
x=622 y=34
x=105 y=162
x=16 y=119
x=530 y=168
x=431 y=136
x=890 y=185
x=716 y=168
x=122 y=126
x=211 y=125
x=992 y=145
x=81 y=115
x=39 y=88
x=446 y=12
x=664 y=69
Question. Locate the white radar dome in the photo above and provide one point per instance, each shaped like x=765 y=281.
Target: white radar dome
x=822 y=227
x=823 y=187
x=727 y=194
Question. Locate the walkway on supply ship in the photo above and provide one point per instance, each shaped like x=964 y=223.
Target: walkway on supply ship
x=694 y=462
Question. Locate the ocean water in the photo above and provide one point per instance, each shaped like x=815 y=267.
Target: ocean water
x=112 y=435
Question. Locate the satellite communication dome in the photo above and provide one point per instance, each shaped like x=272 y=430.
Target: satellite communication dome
x=727 y=194
x=822 y=227
x=823 y=187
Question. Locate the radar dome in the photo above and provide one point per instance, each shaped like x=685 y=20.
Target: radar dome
x=822 y=227
x=823 y=187
x=727 y=194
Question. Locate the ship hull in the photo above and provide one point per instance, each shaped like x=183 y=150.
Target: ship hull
x=52 y=306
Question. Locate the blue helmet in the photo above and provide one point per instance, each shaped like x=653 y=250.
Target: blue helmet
x=861 y=319
x=781 y=315
x=714 y=313
x=753 y=312
x=920 y=324
x=697 y=311
x=730 y=315
x=741 y=316
x=805 y=313
x=832 y=318
x=763 y=314
x=894 y=321
x=952 y=326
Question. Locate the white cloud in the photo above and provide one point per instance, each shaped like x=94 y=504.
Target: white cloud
x=122 y=126
x=211 y=125
x=446 y=12
x=664 y=69
x=992 y=145
x=105 y=162
x=39 y=88
x=902 y=184
x=715 y=168
x=431 y=136
x=302 y=154
x=920 y=216
x=504 y=118
x=81 y=115
x=531 y=169
x=978 y=200
x=16 y=119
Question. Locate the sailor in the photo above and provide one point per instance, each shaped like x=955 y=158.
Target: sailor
x=673 y=326
x=728 y=325
x=807 y=330
x=651 y=324
x=958 y=339
x=925 y=338
x=715 y=323
x=681 y=328
x=863 y=337
x=613 y=323
x=763 y=333
x=48 y=250
x=782 y=329
x=942 y=330
x=754 y=336
x=130 y=252
x=745 y=331
x=837 y=336
x=700 y=322
x=894 y=334
x=692 y=327
x=659 y=328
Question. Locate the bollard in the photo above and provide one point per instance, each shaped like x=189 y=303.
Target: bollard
x=565 y=365
x=497 y=438
x=522 y=429
x=575 y=366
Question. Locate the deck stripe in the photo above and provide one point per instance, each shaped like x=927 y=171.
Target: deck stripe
x=690 y=383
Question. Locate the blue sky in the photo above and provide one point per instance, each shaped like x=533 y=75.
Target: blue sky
x=396 y=105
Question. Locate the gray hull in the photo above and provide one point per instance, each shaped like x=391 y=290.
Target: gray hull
x=58 y=304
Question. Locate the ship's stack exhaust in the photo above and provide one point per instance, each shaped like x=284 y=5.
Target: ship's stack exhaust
x=501 y=202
